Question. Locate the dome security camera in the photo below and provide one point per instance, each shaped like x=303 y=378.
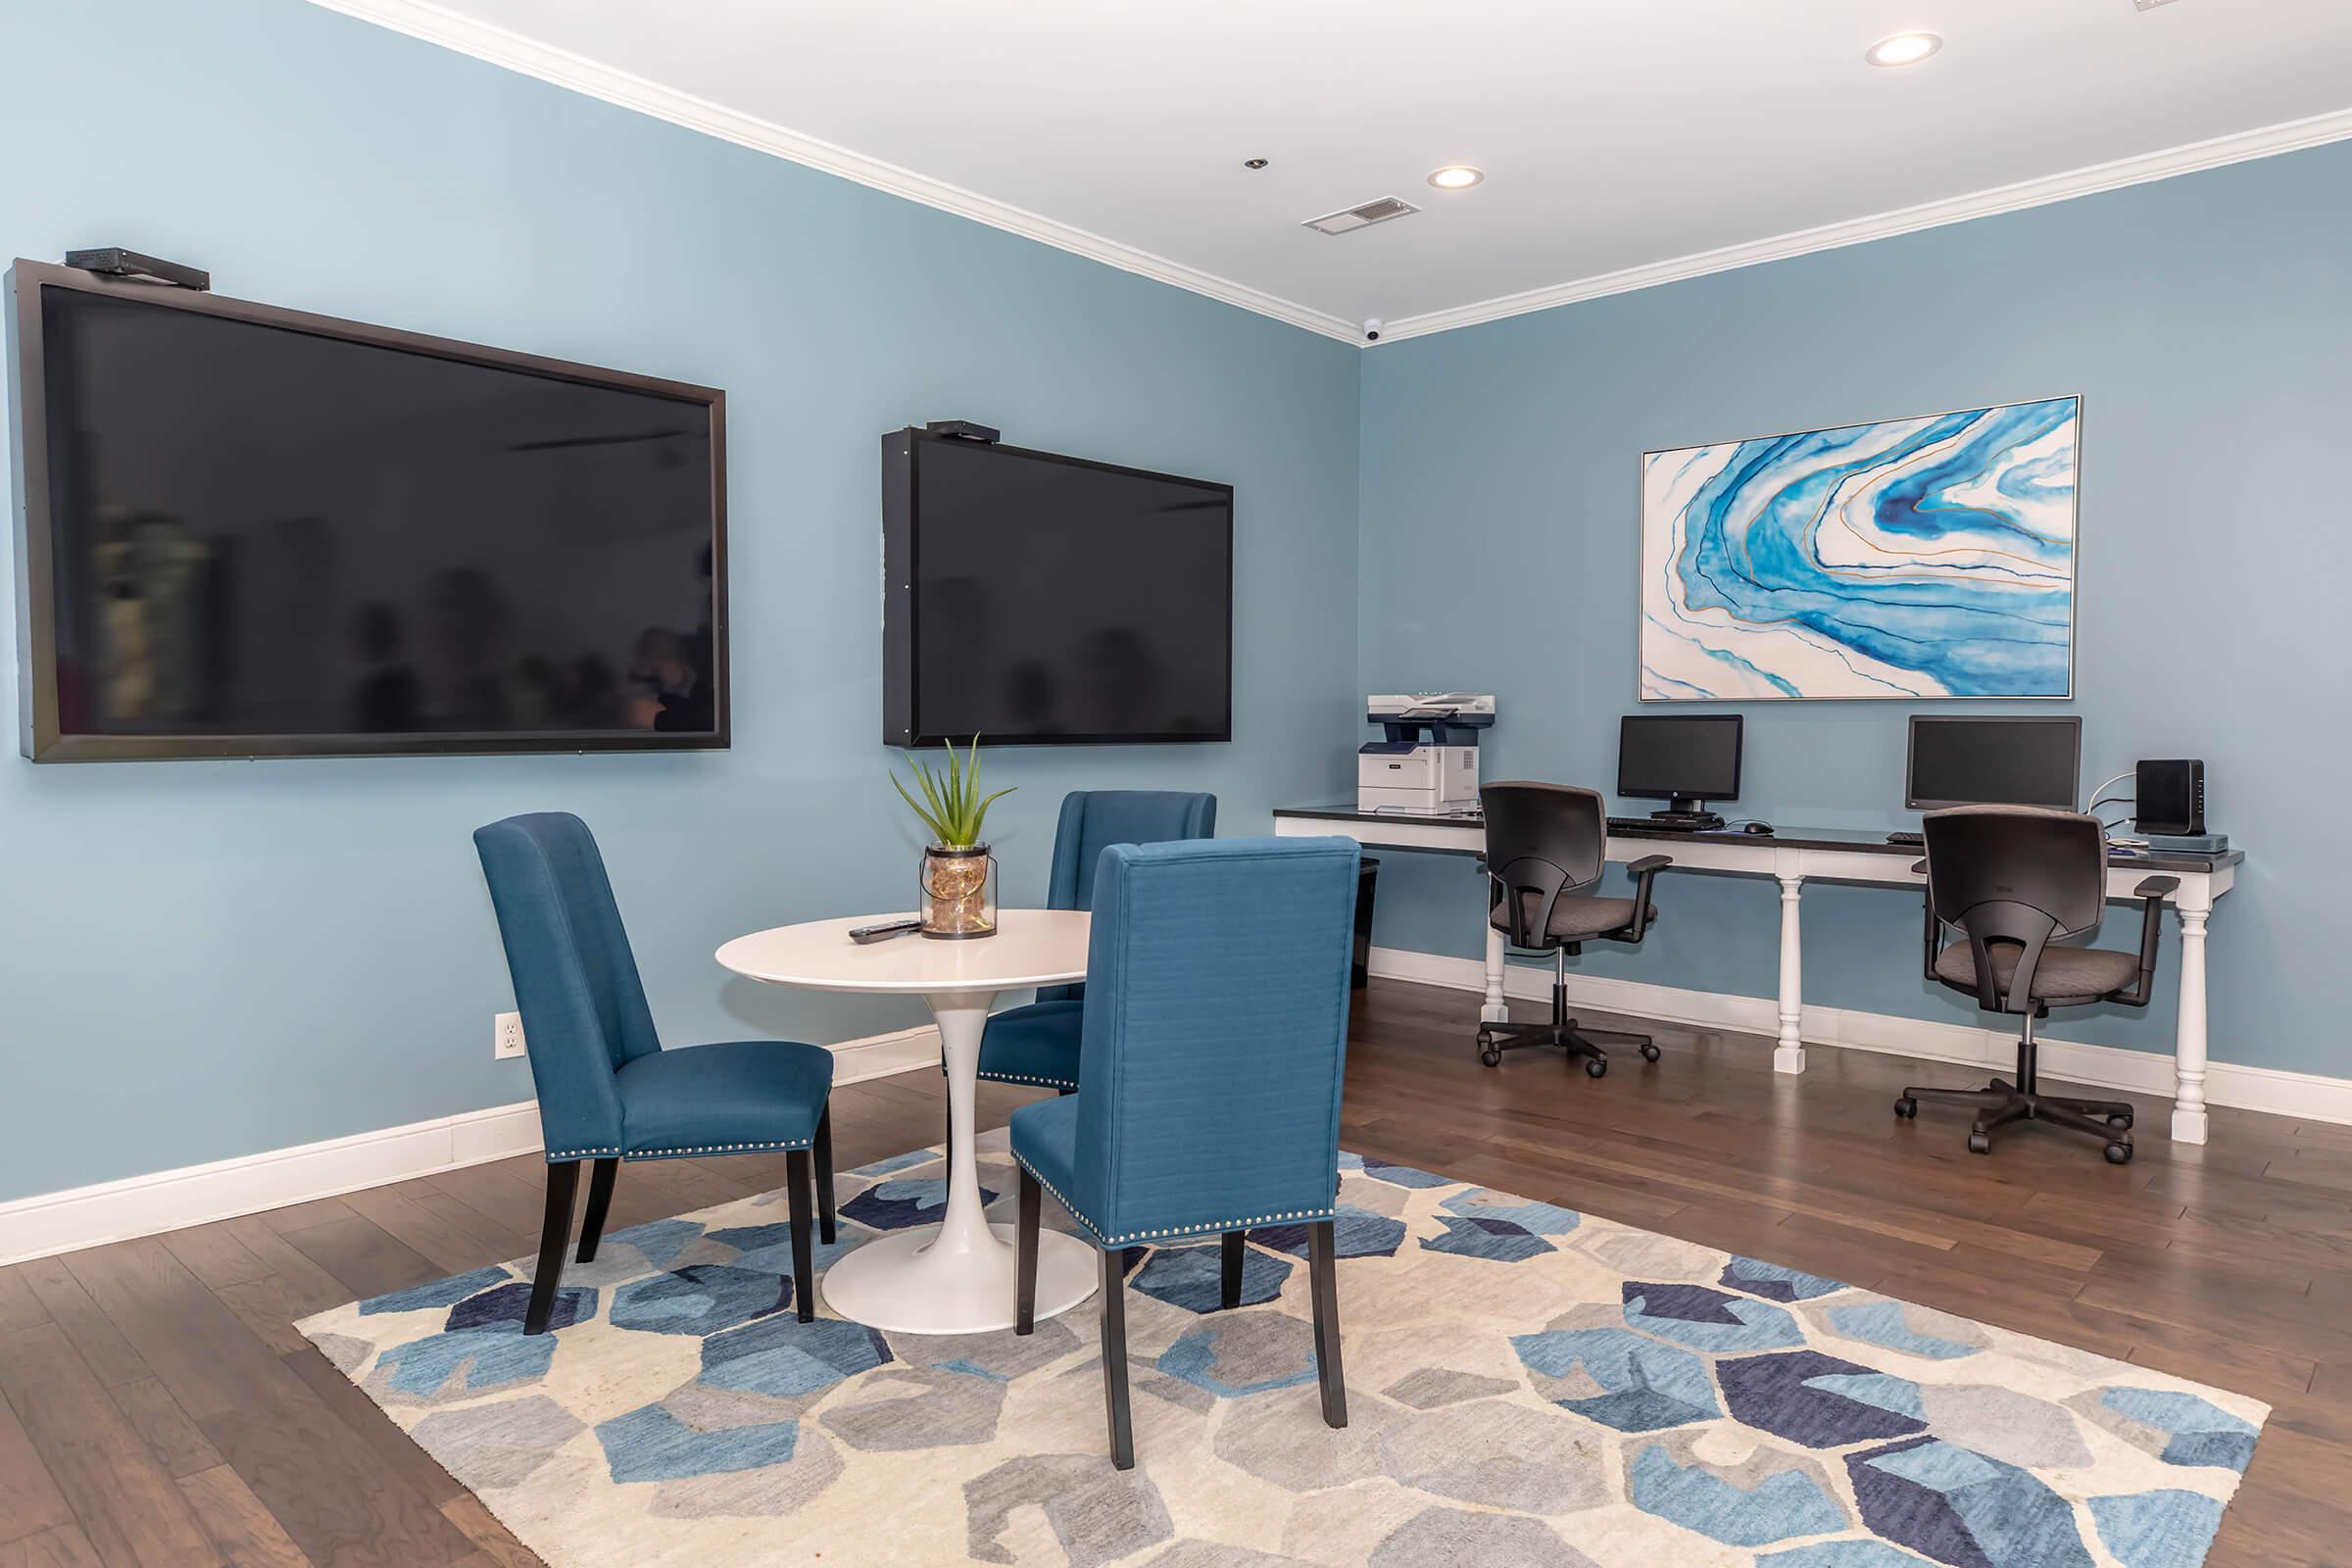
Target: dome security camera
x=1372 y=329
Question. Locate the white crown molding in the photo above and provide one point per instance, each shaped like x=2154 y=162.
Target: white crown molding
x=423 y=20
x=2292 y=136
x=2304 y=1096
x=419 y=18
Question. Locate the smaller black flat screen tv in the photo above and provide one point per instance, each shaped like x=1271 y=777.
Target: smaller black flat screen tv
x=1032 y=599
x=1956 y=760
x=248 y=531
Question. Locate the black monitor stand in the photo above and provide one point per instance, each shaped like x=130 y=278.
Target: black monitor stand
x=1687 y=811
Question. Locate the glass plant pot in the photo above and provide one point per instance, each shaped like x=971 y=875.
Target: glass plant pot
x=960 y=891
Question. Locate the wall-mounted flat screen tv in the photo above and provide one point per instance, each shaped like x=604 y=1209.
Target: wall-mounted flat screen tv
x=1031 y=599
x=246 y=531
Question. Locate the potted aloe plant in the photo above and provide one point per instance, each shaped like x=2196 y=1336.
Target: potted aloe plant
x=959 y=875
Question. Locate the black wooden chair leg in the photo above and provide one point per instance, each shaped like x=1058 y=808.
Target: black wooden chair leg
x=1114 y=1359
x=824 y=1176
x=600 y=1203
x=799 y=1179
x=1024 y=1268
x=1230 y=1295
x=555 y=1235
x=1322 y=1250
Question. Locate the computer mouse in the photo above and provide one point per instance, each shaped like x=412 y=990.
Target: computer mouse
x=1757 y=827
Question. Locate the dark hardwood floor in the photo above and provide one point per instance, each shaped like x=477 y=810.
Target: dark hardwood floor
x=160 y=1412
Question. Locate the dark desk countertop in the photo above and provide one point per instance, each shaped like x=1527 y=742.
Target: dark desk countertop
x=1858 y=839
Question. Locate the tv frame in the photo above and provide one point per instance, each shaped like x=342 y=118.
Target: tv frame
x=36 y=532
x=902 y=484
x=1911 y=799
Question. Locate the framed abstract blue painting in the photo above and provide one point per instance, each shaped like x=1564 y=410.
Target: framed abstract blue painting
x=1913 y=558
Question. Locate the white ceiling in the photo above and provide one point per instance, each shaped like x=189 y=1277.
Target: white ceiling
x=1619 y=136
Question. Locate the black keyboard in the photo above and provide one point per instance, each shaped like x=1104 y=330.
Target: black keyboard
x=1661 y=824
x=1910 y=840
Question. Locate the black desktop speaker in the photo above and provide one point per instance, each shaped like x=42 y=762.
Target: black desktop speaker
x=2171 y=796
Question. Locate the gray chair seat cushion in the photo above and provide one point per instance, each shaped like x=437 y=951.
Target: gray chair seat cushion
x=1574 y=919
x=2062 y=972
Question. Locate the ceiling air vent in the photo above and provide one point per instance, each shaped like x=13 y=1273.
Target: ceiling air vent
x=1351 y=218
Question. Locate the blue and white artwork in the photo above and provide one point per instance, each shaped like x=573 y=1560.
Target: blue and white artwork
x=1911 y=557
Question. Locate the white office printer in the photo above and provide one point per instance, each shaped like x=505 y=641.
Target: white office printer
x=1426 y=760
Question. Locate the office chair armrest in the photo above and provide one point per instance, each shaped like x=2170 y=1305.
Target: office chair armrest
x=2152 y=892
x=1645 y=871
x=1930 y=941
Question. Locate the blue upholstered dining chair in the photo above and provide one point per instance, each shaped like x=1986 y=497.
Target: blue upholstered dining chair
x=1208 y=1103
x=1039 y=1043
x=608 y=1092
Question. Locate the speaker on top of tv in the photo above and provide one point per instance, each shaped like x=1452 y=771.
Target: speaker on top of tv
x=2169 y=796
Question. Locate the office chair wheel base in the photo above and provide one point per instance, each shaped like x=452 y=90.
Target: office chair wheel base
x=1907 y=1107
x=1980 y=1142
x=1649 y=1052
x=1490 y=1056
x=2119 y=1152
x=2122 y=1124
x=1596 y=1067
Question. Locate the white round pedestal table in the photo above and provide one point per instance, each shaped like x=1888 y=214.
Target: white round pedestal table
x=955 y=1277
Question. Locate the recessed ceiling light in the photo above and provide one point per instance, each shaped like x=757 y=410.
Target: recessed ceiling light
x=1456 y=177
x=1253 y=162
x=1903 y=49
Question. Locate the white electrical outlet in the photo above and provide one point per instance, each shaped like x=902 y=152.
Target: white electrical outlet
x=506 y=1035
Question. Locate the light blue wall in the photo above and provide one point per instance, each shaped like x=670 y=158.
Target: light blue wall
x=2205 y=320
x=199 y=960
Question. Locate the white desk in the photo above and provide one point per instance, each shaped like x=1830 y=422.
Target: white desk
x=1823 y=854
x=955 y=1277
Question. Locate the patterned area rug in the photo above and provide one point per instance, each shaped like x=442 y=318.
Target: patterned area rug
x=1527 y=1387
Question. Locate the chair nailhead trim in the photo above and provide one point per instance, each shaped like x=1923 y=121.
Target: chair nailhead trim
x=1171 y=1231
x=705 y=1149
x=730 y=1149
x=1024 y=1078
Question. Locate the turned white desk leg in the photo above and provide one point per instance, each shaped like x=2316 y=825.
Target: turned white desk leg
x=1789 y=1054
x=1494 y=1009
x=2189 y=1049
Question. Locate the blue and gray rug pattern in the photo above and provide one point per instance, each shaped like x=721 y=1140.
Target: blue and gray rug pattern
x=1527 y=1386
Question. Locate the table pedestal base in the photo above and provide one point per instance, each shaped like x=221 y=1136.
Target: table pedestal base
x=907 y=1284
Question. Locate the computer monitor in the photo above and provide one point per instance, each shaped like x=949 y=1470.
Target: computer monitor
x=1683 y=760
x=1993 y=761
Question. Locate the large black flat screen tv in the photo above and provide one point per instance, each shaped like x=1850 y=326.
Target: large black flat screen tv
x=246 y=531
x=1031 y=599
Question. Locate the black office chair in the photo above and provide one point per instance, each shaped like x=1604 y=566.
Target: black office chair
x=1546 y=844
x=2014 y=882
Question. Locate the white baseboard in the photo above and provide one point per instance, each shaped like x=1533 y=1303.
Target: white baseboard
x=197 y=1195
x=2306 y=1095
x=880 y=1055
